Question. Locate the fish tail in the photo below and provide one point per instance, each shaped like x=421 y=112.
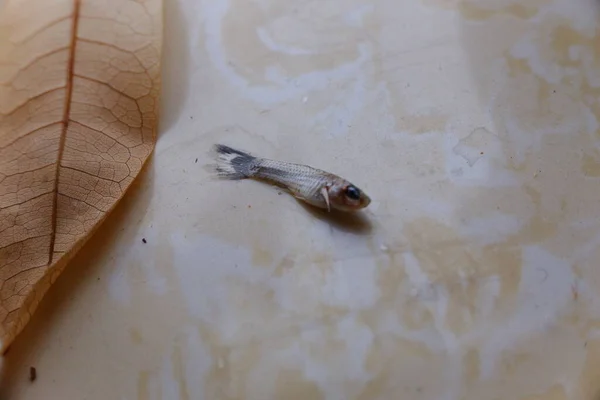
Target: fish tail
x=232 y=163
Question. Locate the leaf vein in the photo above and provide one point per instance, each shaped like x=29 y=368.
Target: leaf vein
x=33 y=98
x=84 y=202
x=89 y=174
x=67 y=111
x=26 y=171
x=25 y=201
x=43 y=28
x=87 y=78
x=103 y=133
x=28 y=134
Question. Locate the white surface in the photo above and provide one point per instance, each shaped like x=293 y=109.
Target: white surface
x=471 y=276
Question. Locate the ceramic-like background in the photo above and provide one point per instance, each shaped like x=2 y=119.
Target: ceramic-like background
x=473 y=125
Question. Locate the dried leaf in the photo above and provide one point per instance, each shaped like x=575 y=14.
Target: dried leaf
x=79 y=87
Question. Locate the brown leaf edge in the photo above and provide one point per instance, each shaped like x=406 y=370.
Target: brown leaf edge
x=10 y=330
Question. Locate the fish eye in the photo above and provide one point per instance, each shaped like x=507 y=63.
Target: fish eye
x=352 y=192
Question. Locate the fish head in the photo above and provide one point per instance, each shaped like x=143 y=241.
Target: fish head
x=345 y=196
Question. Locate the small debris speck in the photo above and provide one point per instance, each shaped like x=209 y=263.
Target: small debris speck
x=279 y=193
x=32 y=374
x=144 y=240
x=481 y=152
x=196 y=161
x=249 y=206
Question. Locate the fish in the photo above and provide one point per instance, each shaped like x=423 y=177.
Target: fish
x=314 y=186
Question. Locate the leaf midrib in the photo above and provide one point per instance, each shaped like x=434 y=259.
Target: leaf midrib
x=65 y=121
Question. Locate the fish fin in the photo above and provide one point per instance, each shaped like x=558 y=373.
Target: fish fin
x=231 y=163
x=325 y=193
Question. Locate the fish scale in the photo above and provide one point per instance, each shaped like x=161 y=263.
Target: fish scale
x=303 y=180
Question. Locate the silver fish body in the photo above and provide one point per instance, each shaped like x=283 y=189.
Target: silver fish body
x=314 y=186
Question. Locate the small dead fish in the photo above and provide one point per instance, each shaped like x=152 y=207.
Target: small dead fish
x=316 y=187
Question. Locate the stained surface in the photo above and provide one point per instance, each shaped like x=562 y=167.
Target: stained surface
x=78 y=111
x=473 y=275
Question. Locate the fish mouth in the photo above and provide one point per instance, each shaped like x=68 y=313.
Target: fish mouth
x=366 y=201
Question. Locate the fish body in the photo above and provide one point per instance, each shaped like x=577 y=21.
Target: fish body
x=314 y=186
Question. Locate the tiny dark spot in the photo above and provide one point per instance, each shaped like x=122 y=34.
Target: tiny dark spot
x=585 y=344
x=144 y=240
x=279 y=193
x=554 y=91
x=481 y=152
x=191 y=117
x=196 y=161
x=98 y=278
x=32 y=374
x=249 y=206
